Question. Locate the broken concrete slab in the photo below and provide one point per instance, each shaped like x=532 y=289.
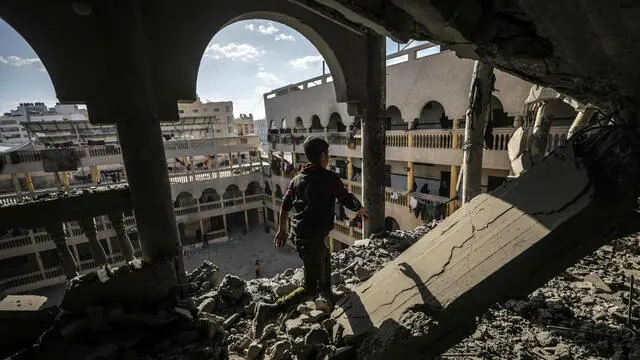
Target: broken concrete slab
x=23 y=318
x=598 y=283
x=522 y=234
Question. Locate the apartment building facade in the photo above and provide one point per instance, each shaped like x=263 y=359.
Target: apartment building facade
x=427 y=97
x=216 y=184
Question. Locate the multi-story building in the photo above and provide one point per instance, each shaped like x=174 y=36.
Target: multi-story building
x=427 y=97
x=216 y=183
x=244 y=124
x=220 y=115
x=261 y=130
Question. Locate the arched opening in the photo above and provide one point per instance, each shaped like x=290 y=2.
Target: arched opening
x=336 y=124
x=432 y=116
x=299 y=125
x=209 y=195
x=272 y=125
x=184 y=199
x=235 y=221
x=390 y=224
x=393 y=119
x=499 y=118
x=562 y=113
x=278 y=192
x=232 y=192
x=283 y=123
x=267 y=188
x=253 y=189
x=316 y=125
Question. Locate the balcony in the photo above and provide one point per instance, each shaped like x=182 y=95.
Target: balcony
x=30 y=161
x=444 y=146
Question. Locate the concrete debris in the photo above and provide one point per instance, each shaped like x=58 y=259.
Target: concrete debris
x=572 y=317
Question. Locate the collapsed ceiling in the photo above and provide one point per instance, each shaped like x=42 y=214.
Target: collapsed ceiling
x=588 y=49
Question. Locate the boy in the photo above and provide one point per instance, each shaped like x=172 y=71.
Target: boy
x=311 y=195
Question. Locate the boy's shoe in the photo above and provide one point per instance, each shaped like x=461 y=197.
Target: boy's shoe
x=265 y=313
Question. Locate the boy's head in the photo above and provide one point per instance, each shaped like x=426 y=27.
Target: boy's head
x=317 y=151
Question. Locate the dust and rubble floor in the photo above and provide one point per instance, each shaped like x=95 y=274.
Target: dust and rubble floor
x=580 y=314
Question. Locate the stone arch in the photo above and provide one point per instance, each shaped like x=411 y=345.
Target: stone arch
x=253 y=188
x=316 y=125
x=390 y=224
x=283 y=123
x=335 y=123
x=432 y=116
x=231 y=192
x=267 y=188
x=183 y=199
x=499 y=117
x=278 y=191
x=272 y=125
x=299 y=125
x=209 y=195
x=393 y=119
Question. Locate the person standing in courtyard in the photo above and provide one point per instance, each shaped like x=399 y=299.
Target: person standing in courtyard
x=311 y=195
x=257 y=269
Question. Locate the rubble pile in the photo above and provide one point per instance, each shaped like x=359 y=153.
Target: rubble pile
x=581 y=314
x=306 y=331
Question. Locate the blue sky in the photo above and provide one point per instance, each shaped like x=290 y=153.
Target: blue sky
x=243 y=61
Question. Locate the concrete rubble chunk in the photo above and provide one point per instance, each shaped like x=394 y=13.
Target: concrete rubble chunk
x=278 y=351
x=254 y=350
x=363 y=273
x=285 y=289
x=296 y=327
x=598 y=283
x=316 y=337
x=208 y=305
x=232 y=287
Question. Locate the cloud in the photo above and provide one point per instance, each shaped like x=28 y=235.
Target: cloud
x=264 y=30
x=233 y=51
x=18 y=61
x=285 y=37
x=303 y=63
x=269 y=78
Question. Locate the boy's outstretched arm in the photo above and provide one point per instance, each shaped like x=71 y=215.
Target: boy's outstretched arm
x=348 y=199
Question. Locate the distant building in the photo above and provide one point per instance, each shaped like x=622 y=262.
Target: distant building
x=219 y=113
x=244 y=124
x=11 y=130
x=260 y=129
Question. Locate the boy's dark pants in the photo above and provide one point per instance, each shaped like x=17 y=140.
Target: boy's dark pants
x=316 y=258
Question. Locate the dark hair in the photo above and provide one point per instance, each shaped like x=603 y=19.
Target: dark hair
x=313 y=148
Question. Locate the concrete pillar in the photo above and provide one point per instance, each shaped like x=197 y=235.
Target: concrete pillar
x=29 y=181
x=246 y=214
x=137 y=105
x=350 y=172
x=326 y=134
x=37 y=253
x=581 y=120
x=476 y=119
x=455 y=170
x=540 y=134
x=230 y=159
x=56 y=179
x=65 y=180
x=57 y=235
x=95 y=174
x=410 y=176
x=373 y=135
x=16 y=183
x=126 y=248
x=210 y=165
x=88 y=226
x=330 y=243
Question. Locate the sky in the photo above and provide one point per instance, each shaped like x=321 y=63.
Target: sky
x=243 y=61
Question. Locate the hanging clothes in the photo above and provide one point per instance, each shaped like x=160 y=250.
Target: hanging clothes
x=413 y=203
x=395 y=196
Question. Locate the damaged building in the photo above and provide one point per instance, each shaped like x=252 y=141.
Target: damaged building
x=542 y=266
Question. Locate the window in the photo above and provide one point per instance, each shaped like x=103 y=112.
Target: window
x=180 y=111
x=218 y=130
x=195 y=110
x=216 y=110
x=205 y=109
x=228 y=108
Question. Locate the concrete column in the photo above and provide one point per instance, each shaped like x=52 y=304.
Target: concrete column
x=330 y=243
x=210 y=165
x=410 y=176
x=326 y=134
x=37 y=253
x=95 y=174
x=57 y=235
x=540 y=134
x=88 y=226
x=144 y=156
x=476 y=119
x=65 y=180
x=29 y=181
x=56 y=178
x=126 y=248
x=16 y=183
x=581 y=120
x=350 y=172
x=373 y=135
x=246 y=214
x=455 y=170
x=230 y=159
